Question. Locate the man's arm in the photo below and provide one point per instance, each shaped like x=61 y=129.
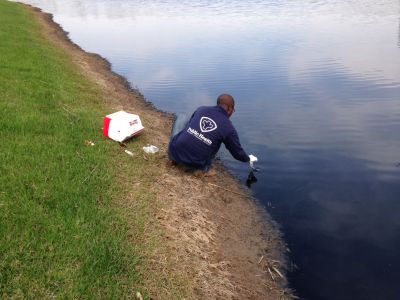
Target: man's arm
x=232 y=143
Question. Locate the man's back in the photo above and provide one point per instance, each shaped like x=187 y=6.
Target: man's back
x=201 y=139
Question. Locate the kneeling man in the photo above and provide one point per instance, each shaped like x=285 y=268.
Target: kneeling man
x=198 y=143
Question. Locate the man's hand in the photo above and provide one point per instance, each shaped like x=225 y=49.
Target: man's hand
x=253 y=159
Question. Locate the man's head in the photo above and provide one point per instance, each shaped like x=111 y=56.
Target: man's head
x=227 y=102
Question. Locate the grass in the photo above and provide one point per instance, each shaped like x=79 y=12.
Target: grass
x=63 y=230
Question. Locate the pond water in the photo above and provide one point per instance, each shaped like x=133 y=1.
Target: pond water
x=317 y=86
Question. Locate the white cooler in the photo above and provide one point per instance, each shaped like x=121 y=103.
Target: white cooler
x=120 y=126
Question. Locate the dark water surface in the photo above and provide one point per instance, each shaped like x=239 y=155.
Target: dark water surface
x=317 y=85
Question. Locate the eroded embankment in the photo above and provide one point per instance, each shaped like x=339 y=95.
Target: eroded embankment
x=219 y=242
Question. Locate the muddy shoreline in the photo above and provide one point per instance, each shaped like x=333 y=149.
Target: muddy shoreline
x=224 y=243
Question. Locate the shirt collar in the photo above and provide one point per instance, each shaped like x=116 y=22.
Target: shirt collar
x=222 y=109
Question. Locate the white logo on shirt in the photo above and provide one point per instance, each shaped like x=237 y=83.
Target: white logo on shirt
x=199 y=136
x=207 y=124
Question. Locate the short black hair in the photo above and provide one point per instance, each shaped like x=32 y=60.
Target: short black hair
x=225 y=99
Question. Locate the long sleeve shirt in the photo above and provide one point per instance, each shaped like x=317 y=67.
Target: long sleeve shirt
x=201 y=139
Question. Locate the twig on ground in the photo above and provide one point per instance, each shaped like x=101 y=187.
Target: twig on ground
x=140 y=181
x=287 y=294
x=128 y=152
x=270 y=273
x=240 y=194
x=261 y=259
x=139 y=296
x=79 y=155
x=277 y=271
x=90 y=173
x=70 y=112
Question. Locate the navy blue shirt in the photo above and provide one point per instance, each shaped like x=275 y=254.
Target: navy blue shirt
x=201 y=139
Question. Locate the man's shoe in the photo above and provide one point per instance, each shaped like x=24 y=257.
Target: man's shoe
x=171 y=163
x=209 y=173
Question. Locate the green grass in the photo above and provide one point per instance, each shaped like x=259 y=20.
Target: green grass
x=61 y=233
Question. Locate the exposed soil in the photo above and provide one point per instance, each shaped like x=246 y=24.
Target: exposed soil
x=216 y=233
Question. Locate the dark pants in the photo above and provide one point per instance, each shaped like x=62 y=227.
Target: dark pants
x=179 y=124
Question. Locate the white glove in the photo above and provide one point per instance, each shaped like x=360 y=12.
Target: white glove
x=253 y=159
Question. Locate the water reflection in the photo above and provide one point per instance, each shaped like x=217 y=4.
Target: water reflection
x=398 y=41
x=317 y=85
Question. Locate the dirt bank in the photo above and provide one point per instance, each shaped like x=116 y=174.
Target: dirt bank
x=220 y=240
